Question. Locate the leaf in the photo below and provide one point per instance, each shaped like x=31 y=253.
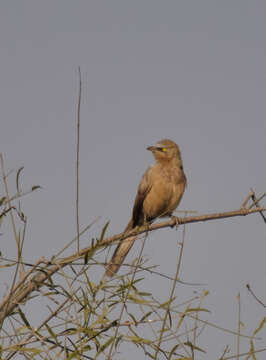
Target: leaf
x=89 y=254
x=51 y=331
x=196 y=310
x=26 y=350
x=86 y=258
x=17 y=178
x=136 y=281
x=105 y=345
x=23 y=317
x=118 y=340
x=148 y=354
x=133 y=318
x=103 y=231
x=144 y=294
x=90 y=284
x=260 y=326
x=182 y=317
x=172 y=351
x=167 y=303
x=137 y=301
x=138 y=340
x=194 y=347
x=101 y=318
x=145 y=316
x=2 y=200
x=170 y=318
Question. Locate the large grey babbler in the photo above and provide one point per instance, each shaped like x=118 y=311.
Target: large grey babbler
x=159 y=193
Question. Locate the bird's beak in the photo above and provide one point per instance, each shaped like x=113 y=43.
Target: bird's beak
x=151 y=148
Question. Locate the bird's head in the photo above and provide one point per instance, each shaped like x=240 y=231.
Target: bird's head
x=165 y=150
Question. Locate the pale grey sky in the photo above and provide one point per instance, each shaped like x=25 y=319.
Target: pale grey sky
x=191 y=71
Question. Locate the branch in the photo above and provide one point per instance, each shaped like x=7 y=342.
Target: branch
x=77 y=159
x=9 y=303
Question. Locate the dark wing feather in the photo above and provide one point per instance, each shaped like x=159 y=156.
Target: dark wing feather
x=143 y=189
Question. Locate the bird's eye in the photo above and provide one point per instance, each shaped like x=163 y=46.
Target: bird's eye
x=163 y=149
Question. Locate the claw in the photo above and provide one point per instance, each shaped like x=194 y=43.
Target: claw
x=176 y=223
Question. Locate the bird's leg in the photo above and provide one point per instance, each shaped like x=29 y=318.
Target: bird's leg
x=175 y=219
x=146 y=224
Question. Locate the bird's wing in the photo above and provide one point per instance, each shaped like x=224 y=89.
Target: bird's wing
x=137 y=219
x=143 y=189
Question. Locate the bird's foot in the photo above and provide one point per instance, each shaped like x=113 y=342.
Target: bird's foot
x=146 y=227
x=175 y=221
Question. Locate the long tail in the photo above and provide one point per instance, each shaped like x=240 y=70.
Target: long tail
x=120 y=253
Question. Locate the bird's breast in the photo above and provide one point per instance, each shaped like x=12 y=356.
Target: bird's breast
x=165 y=194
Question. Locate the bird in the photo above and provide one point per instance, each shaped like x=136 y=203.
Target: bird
x=159 y=193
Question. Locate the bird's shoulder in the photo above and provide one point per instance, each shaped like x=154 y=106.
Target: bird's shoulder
x=145 y=183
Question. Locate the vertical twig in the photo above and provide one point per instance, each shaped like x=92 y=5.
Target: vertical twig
x=179 y=258
x=238 y=327
x=197 y=319
x=77 y=159
x=9 y=204
x=14 y=231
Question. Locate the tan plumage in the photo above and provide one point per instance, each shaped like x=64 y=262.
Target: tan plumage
x=158 y=195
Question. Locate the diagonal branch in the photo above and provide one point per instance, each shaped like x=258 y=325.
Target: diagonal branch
x=9 y=303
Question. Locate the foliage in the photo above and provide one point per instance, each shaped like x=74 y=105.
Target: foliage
x=84 y=316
